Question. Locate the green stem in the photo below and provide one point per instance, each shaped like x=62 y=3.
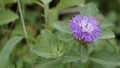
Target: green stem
x=40 y=4
x=70 y=65
x=25 y=31
x=1 y=4
x=46 y=12
x=23 y=23
x=2 y=27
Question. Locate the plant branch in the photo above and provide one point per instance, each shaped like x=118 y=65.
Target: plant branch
x=46 y=12
x=40 y=4
x=25 y=31
x=70 y=65
x=23 y=23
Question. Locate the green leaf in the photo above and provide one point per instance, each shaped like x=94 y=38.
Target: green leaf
x=109 y=45
x=53 y=42
x=64 y=36
x=7 y=16
x=115 y=47
x=68 y=3
x=27 y=59
x=89 y=9
x=96 y=65
x=84 y=54
x=19 y=63
x=49 y=39
x=62 y=26
x=9 y=1
x=106 y=23
x=106 y=58
x=107 y=35
x=112 y=16
x=53 y=15
x=50 y=47
x=43 y=51
x=18 y=31
x=67 y=59
x=5 y=53
x=10 y=64
x=46 y=1
x=72 y=53
x=31 y=16
x=54 y=63
x=79 y=64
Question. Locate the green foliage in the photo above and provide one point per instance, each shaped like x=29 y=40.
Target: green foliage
x=84 y=54
x=50 y=64
x=43 y=51
x=106 y=23
x=106 y=58
x=107 y=35
x=66 y=3
x=87 y=10
x=19 y=64
x=18 y=31
x=68 y=59
x=46 y=1
x=7 y=16
x=54 y=13
x=112 y=16
x=5 y=53
x=107 y=27
x=50 y=44
x=64 y=36
x=62 y=26
x=9 y=1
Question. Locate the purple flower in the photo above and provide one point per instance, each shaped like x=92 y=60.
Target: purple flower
x=85 y=28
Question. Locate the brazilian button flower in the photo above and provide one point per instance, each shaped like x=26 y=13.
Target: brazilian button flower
x=85 y=28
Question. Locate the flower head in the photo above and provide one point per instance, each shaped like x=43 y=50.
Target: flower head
x=85 y=28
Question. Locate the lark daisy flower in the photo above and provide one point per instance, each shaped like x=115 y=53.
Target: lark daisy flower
x=85 y=28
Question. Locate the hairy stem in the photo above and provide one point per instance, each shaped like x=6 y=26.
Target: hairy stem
x=25 y=31
x=46 y=12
